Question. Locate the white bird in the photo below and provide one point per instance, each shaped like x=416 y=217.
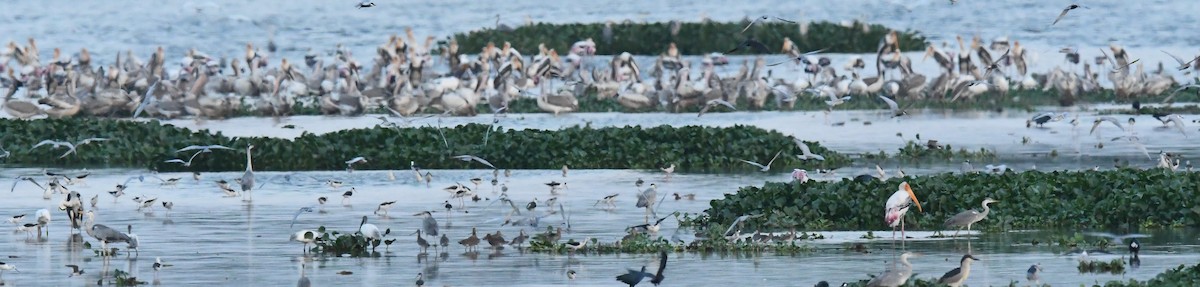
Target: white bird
x=43 y=219
x=1176 y=119
x=204 y=148
x=1182 y=65
x=895 y=108
x=190 y=159
x=764 y=168
x=805 y=153
x=668 y=170
x=383 y=208
x=350 y=163
x=6 y=267
x=159 y=264
x=761 y=19
x=996 y=168
x=469 y=158
x=897 y=206
x=305 y=236
x=346 y=195
x=369 y=231
x=303 y=210
x=56 y=144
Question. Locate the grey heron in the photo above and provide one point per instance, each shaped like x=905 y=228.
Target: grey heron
x=897 y=206
x=104 y=234
x=248 y=176
x=428 y=223
x=896 y=275
x=957 y=276
x=633 y=277
x=75 y=270
x=646 y=200
x=305 y=236
x=969 y=217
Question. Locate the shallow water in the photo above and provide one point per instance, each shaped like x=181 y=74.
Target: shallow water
x=216 y=240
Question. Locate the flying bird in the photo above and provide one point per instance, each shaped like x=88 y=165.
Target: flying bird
x=755 y=46
x=1182 y=65
x=805 y=153
x=633 y=277
x=1100 y=120
x=895 y=108
x=763 y=19
x=1064 y=13
x=365 y=4
x=714 y=103
x=764 y=168
x=469 y=158
x=75 y=270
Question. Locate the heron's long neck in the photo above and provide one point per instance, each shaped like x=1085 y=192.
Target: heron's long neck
x=249 y=161
x=986 y=210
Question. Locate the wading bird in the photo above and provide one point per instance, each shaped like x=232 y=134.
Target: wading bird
x=896 y=275
x=969 y=217
x=897 y=206
x=957 y=276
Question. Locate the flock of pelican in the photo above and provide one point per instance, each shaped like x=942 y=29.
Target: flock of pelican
x=404 y=79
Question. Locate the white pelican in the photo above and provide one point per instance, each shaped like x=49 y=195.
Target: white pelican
x=898 y=205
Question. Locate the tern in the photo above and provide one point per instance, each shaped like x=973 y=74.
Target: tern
x=469 y=158
x=806 y=154
x=764 y=168
x=714 y=103
x=895 y=108
x=1064 y=13
x=1182 y=65
x=763 y=19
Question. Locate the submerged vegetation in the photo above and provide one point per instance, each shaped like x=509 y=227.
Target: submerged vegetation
x=691 y=38
x=1032 y=199
x=689 y=148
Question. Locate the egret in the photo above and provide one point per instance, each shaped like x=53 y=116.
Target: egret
x=897 y=206
x=248 y=176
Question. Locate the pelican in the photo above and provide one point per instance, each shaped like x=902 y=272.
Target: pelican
x=895 y=276
x=969 y=217
x=897 y=206
x=305 y=236
x=805 y=153
x=957 y=276
x=248 y=176
x=369 y=231
x=761 y=167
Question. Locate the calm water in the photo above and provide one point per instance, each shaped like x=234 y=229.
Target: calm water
x=216 y=240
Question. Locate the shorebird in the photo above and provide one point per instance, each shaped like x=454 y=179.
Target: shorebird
x=1033 y=273
x=305 y=236
x=346 y=195
x=383 y=208
x=668 y=170
x=6 y=267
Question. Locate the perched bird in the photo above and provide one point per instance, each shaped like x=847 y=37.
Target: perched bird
x=633 y=277
x=957 y=276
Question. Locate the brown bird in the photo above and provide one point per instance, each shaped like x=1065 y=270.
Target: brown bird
x=470 y=242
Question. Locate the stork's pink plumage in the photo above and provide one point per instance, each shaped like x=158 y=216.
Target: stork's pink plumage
x=897 y=206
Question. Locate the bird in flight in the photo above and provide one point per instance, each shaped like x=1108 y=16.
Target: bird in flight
x=763 y=19
x=1064 y=12
x=753 y=45
x=365 y=4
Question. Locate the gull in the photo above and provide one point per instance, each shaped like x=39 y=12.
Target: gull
x=298 y=212
x=762 y=19
x=56 y=144
x=713 y=103
x=767 y=167
x=350 y=163
x=469 y=158
x=1173 y=118
x=75 y=270
x=1112 y=120
x=1114 y=63
x=1064 y=13
x=802 y=58
x=205 y=148
x=805 y=153
x=754 y=46
x=896 y=111
x=1182 y=65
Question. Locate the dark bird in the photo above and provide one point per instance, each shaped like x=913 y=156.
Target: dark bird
x=754 y=46
x=955 y=277
x=1064 y=13
x=1134 y=247
x=75 y=270
x=365 y=4
x=634 y=277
